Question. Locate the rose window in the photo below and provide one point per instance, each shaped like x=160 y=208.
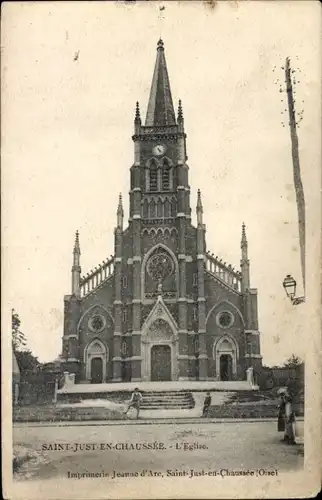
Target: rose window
x=225 y=319
x=97 y=323
x=160 y=266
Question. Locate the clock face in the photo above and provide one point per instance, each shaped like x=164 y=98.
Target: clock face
x=159 y=150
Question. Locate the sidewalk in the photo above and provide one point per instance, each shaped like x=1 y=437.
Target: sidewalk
x=142 y=421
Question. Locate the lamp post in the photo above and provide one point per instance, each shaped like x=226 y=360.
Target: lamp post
x=289 y=285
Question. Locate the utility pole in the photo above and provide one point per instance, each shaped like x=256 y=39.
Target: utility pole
x=299 y=192
x=294 y=118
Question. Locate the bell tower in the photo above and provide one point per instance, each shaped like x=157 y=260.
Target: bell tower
x=160 y=210
x=159 y=169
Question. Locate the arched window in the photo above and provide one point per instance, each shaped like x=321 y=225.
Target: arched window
x=160 y=265
x=152 y=209
x=173 y=207
x=145 y=209
x=167 y=208
x=153 y=176
x=160 y=208
x=166 y=177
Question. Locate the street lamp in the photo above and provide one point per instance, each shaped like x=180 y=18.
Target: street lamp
x=289 y=285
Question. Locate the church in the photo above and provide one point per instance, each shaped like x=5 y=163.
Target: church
x=162 y=307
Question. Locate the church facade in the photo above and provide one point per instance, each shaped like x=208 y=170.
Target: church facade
x=162 y=307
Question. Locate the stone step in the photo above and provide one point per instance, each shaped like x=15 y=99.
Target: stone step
x=173 y=398
x=177 y=400
x=167 y=407
x=171 y=393
x=166 y=401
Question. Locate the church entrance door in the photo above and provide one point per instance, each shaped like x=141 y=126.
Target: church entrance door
x=161 y=362
x=226 y=367
x=97 y=370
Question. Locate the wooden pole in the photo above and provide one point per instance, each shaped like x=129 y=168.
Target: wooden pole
x=299 y=192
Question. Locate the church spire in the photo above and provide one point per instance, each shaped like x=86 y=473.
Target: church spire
x=160 y=108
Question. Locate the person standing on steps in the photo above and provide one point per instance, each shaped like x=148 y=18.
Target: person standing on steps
x=135 y=402
x=206 y=405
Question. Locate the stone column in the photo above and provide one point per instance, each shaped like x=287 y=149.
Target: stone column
x=136 y=360
x=203 y=357
x=182 y=299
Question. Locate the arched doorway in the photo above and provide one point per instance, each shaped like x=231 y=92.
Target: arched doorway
x=159 y=348
x=96 y=357
x=160 y=362
x=226 y=367
x=96 y=370
x=226 y=355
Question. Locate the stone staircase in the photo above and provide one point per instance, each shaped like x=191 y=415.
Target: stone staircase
x=170 y=400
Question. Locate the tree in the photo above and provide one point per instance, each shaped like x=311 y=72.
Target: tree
x=293 y=361
x=27 y=362
x=19 y=341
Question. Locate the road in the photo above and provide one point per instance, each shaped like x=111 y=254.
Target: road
x=197 y=446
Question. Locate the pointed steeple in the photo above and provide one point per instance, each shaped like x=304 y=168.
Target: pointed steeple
x=160 y=108
x=120 y=213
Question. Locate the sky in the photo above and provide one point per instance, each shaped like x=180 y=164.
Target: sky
x=67 y=148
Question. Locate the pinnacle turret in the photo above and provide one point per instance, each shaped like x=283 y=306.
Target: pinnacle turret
x=199 y=208
x=76 y=269
x=180 y=112
x=120 y=206
x=137 y=119
x=120 y=213
x=76 y=244
x=243 y=237
x=244 y=263
x=199 y=203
